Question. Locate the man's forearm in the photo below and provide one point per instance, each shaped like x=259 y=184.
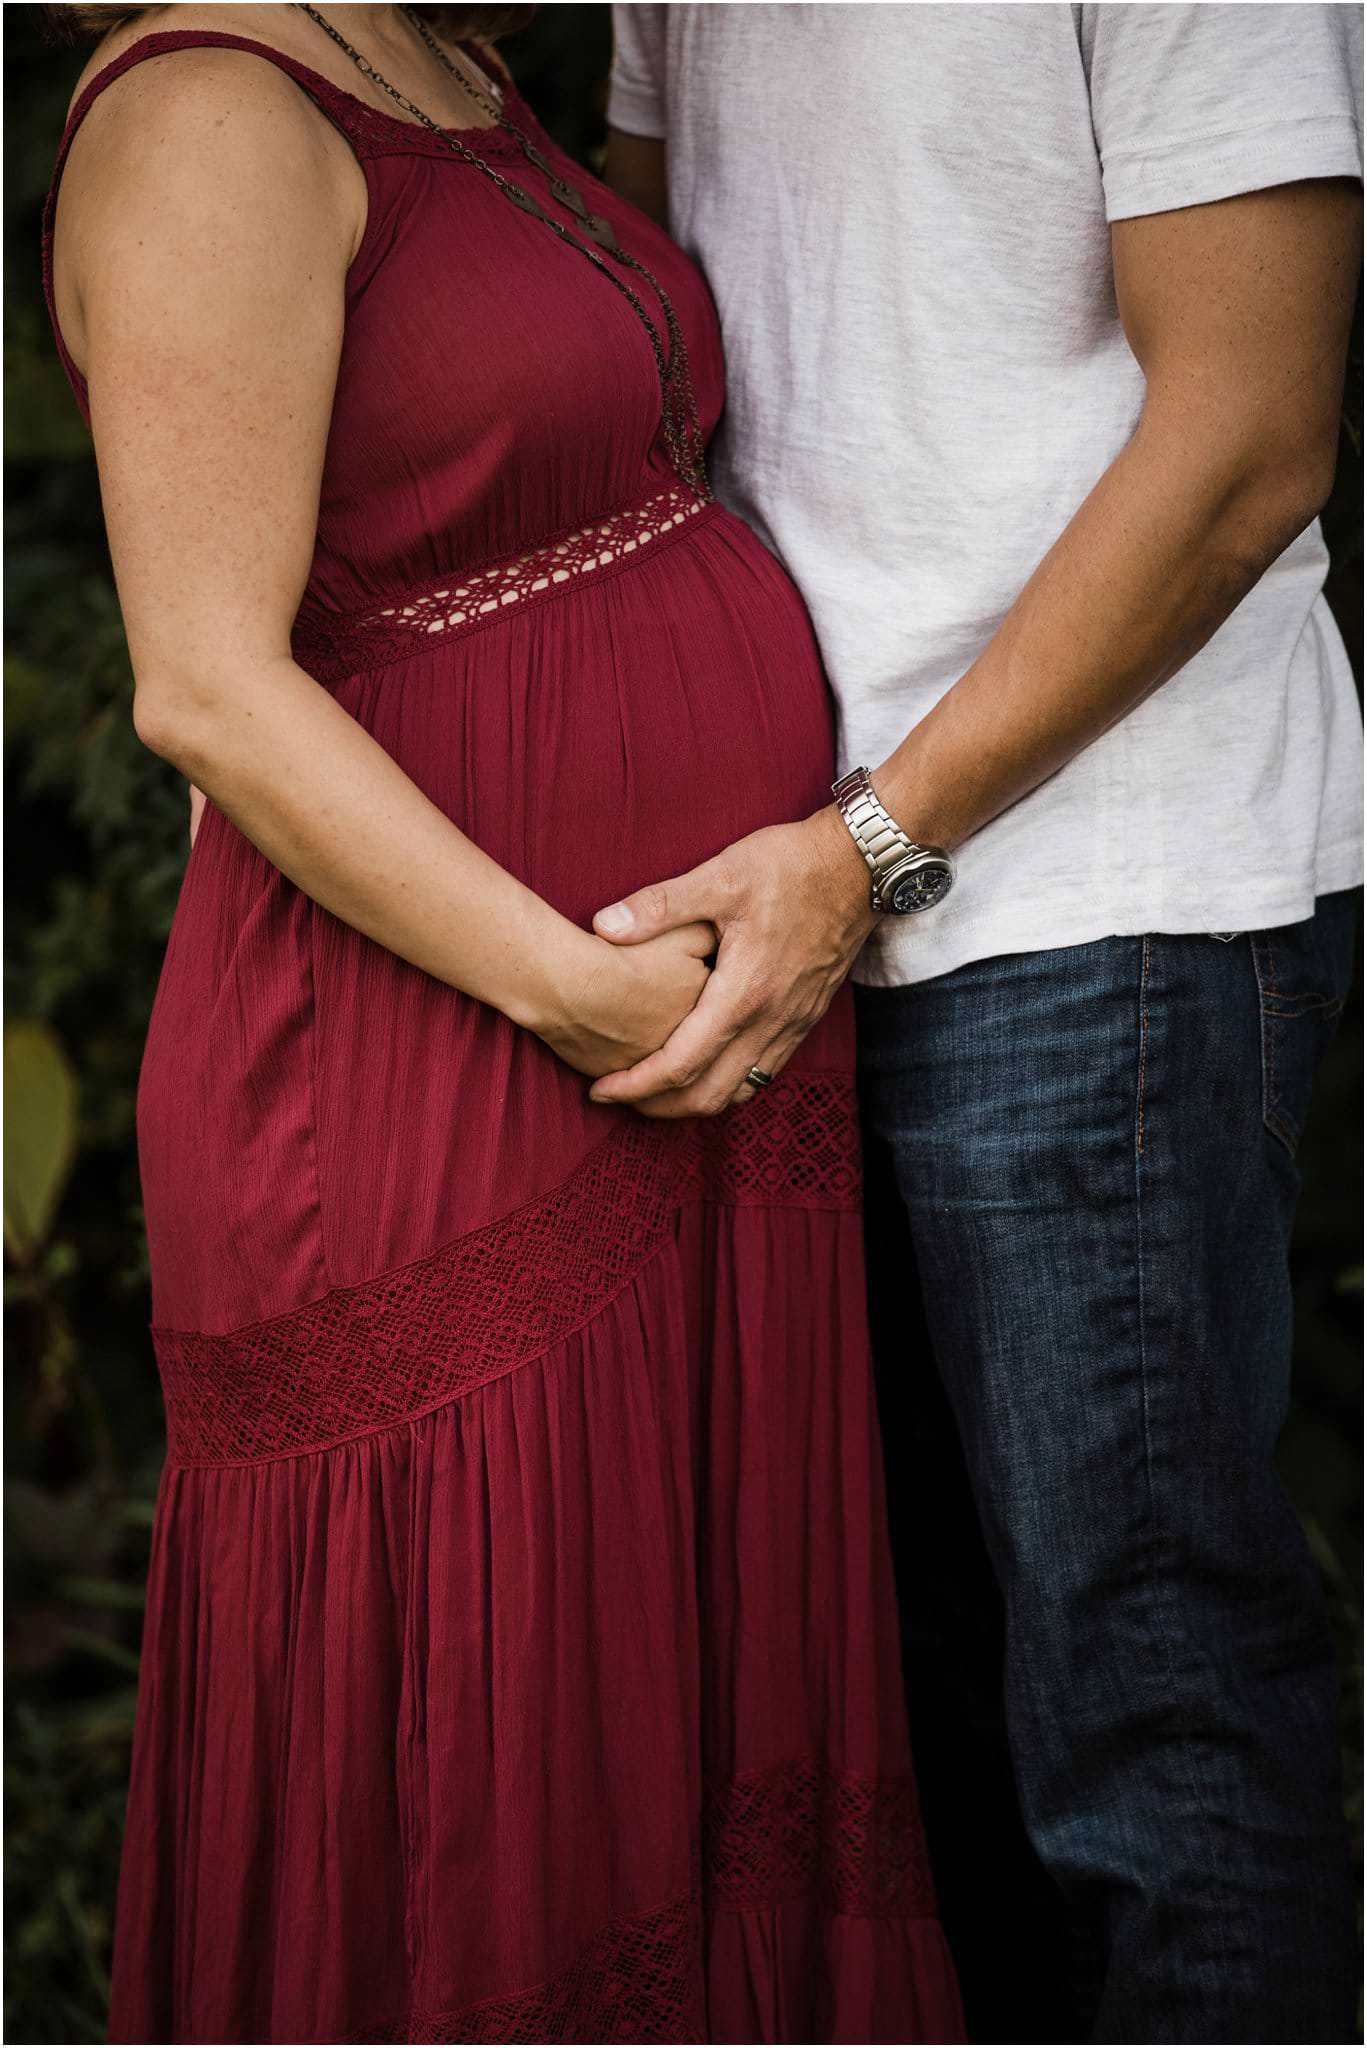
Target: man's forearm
x=1174 y=535
x=1237 y=314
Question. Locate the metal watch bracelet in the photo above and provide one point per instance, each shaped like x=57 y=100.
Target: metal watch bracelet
x=907 y=877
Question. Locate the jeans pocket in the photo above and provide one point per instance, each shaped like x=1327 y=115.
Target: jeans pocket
x=1304 y=972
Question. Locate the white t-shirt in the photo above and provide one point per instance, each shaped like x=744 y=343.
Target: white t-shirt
x=903 y=214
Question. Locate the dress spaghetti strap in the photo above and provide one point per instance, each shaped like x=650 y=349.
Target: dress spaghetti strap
x=364 y=127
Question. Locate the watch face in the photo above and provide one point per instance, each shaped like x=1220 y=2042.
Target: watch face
x=921 y=887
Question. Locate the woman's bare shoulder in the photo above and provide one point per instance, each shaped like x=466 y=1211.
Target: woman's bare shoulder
x=151 y=21
x=213 y=131
x=172 y=100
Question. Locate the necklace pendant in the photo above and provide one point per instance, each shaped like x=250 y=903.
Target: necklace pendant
x=565 y=192
x=603 y=232
x=524 y=199
x=680 y=429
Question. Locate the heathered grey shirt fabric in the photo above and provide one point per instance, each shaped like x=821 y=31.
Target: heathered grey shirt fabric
x=904 y=214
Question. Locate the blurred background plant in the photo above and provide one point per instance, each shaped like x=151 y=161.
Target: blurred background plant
x=97 y=843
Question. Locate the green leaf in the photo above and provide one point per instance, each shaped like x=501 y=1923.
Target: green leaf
x=102 y=1593
x=94 y=1645
x=40 y=1134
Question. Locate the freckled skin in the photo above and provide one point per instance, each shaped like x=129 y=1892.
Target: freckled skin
x=205 y=222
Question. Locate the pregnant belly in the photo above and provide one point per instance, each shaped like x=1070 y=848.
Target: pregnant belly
x=626 y=732
x=314 y=1110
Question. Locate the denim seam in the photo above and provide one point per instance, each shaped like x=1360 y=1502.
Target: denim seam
x=1155 y=1547
x=1145 y=960
x=1302 y=1006
x=1274 y=1009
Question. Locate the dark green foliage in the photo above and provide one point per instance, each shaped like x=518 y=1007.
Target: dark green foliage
x=98 y=835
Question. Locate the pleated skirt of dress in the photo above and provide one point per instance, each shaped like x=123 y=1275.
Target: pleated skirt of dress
x=566 y=1706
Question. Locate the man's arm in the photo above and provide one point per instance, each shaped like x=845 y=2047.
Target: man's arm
x=636 y=167
x=1238 y=313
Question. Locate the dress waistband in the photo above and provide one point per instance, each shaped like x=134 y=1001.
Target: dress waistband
x=334 y=645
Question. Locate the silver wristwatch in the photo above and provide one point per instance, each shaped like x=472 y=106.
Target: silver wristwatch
x=906 y=877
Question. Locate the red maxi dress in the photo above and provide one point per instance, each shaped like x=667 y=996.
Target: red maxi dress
x=521 y=1661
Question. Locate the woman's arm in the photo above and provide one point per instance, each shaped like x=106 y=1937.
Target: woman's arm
x=206 y=220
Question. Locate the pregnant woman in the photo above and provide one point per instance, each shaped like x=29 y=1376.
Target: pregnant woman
x=521 y=1661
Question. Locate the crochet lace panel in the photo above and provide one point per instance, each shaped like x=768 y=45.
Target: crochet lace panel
x=332 y=646
x=801 y=1830
x=364 y=1358
x=374 y=131
x=638 y=1980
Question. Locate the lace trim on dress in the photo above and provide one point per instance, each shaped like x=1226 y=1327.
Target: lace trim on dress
x=365 y=1358
x=800 y=1829
x=374 y=131
x=639 y=1980
x=334 y=646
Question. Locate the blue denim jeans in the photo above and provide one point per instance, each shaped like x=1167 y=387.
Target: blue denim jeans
x=1096 y=1148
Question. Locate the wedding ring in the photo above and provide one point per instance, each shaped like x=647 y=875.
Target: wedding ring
x=758 y=1078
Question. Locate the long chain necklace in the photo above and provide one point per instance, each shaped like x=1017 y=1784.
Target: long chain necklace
x=680 y=426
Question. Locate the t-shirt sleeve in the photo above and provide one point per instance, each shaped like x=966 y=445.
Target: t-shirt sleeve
x=636 y=93
x=1195 y=103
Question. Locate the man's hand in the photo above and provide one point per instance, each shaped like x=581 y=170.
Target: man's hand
x=613 y=1005
x=790 y=905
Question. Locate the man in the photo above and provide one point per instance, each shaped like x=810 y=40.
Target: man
x=1036 y=321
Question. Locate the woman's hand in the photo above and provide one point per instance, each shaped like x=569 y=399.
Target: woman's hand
x=615 y=1005
x=791 y=905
